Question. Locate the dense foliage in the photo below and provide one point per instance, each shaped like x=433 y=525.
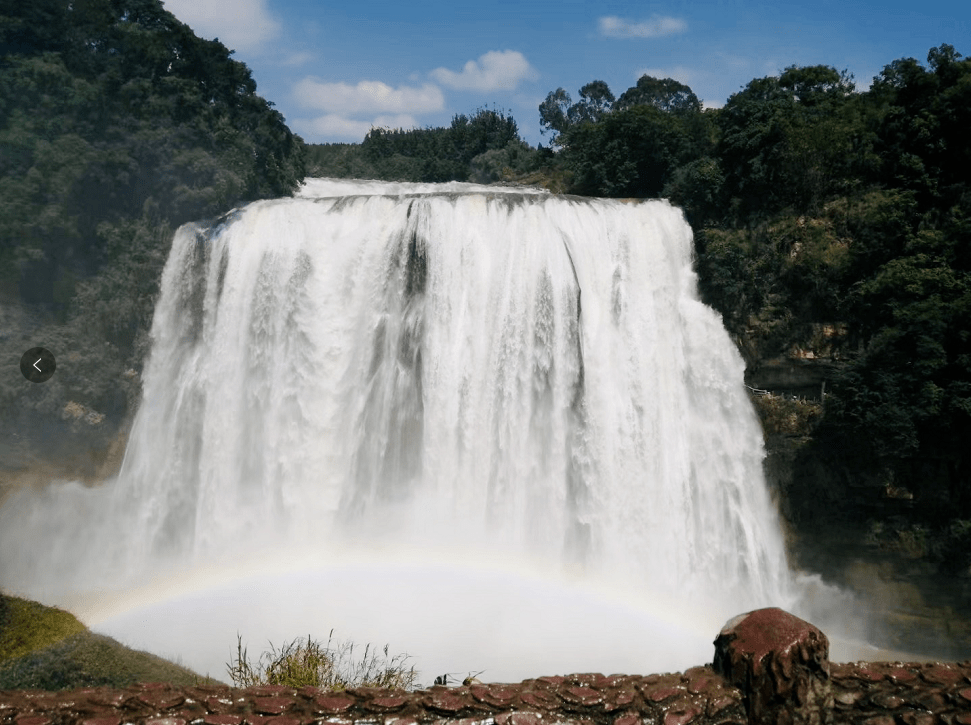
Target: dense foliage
x=817 y=206
x=479 y=147
x=117 y=124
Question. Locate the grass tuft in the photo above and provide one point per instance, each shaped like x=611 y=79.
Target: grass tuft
x=331 y=667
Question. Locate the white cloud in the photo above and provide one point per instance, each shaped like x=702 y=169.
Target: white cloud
x=242 y=25
x=331 y=126
x=495 y=70
x=713 y=104
x=368 y=97
x=614 y=27
x=297 y=59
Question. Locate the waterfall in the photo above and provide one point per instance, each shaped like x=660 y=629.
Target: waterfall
x=472 y=377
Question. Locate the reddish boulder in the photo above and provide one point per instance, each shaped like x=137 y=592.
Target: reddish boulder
x=781 y=664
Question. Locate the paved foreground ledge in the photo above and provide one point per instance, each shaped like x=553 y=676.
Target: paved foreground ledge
x=769 y=668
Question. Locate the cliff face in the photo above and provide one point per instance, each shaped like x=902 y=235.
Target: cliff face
x=845 y=522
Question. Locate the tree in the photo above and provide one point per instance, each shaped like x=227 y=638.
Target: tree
x=665 y=94
x=554 y=113
x=817 y=86
x=783 y=141
x=117 y=124
x=629 y=153
x=920 y=119
x=627 y=150
x=558 y=113
x=595 y=101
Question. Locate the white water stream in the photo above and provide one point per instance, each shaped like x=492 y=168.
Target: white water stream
x=497 y=430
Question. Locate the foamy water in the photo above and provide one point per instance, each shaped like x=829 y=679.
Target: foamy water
x=495 y=429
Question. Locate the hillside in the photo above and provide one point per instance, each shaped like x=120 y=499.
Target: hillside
x=45 y=648
x=117 y=124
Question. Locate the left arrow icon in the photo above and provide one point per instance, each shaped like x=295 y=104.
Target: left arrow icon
x=38 y=365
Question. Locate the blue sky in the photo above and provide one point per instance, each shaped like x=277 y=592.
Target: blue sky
x=335 y=69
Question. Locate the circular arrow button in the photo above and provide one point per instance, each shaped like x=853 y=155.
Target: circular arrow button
x=38 y=365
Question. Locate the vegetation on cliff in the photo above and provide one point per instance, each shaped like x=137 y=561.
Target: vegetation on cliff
x=117 y=124
x=816 y=205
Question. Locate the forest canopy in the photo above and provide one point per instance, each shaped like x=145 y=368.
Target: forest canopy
x=117 y=124
x=815 y=205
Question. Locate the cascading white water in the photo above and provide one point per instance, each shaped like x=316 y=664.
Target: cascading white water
x=431 y=375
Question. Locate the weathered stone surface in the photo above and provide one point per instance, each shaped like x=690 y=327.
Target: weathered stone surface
x=447 y=701
x=879 y=720
x=389 y=702
x=899 y=675
x=628 y=718
x=781 y=664
x=727 y=709
x=581 y=695
x=660 y=694
x=541 y=700
x=887 y=701
x=222 y=719
x=271 y=705
x=681 y=714
x=218 y=705
x=520 y=718
x=865 y=694
x=401 y=720
x=941 y=674
x=849 y=698
x=161 y=699
x=496 y=695
x=701 y=679
x=619 y=698
x=869 y=672
x=333 y=703
x=109 y=698
x=918 y=718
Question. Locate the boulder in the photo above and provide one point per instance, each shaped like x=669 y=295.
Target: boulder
x=781 y=665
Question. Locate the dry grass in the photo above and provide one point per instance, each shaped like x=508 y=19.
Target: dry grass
x=331 y=667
